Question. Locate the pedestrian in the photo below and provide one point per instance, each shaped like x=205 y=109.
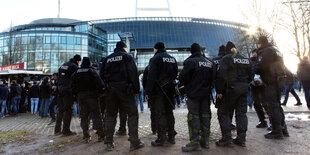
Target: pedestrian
x=140 y=98
x=197 y=77
x=271 y=69
x=290 y=80
x=87 y=86
x=53 y=98
x=257 y=88
x=34 y=93
x=23 y=100
x=4 y=92
x=235 y=74
x=303 y=74
x=15 y=91
x=162 y=73
x=46 y=92
x=120 y=76
x=65 y=96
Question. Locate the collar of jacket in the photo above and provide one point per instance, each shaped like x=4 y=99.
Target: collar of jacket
x=196 y=54
x=160 y=51
x=119 y=49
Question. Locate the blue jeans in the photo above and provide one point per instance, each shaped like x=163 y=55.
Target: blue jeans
x=45 y=102
x=34 y=105
x=15 y=102
x=249 y=99
x=307 y=94
x=140 y=99
x=3 y=104
x=75 y=109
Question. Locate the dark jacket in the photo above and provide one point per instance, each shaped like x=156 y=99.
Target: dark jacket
x=162 y=69
x=303 y=72
x=197 y=75
x=145 y=73
x=15 y=90
x=120 y=69
x=45 y=90
x=235 y=72
x=65 y=74
x=34 y=91
x=4 y=92
x=86 y=81
x=270 y=64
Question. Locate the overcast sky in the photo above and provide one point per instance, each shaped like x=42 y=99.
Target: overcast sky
x=20 y=12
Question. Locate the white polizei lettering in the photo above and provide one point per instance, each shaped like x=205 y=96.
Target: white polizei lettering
x=205 y=64
x=114 y=59
x=82 y=70
x=64 y=67
x=169 y=60
x=241 y=61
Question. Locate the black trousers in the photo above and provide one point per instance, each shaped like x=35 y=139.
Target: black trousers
x=122 y=120
x=116 y=100
x=64 y=106
x=102 y=104
x=271 y=96
x=235 y=99
x=221 y=111
x=199 y=116
x=52 y=109
x=258 y=104
x=164 y=112
x=90 y=105
x=154 y=119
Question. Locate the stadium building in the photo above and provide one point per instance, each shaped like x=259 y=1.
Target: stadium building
x=45 y=44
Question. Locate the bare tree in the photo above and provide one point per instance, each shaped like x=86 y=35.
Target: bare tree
x=299 y=26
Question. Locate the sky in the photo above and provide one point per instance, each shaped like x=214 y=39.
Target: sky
x=18 y=12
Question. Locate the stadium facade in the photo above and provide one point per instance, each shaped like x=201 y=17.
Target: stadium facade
x=45 y=44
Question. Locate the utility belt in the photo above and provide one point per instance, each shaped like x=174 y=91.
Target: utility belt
x=122 y=86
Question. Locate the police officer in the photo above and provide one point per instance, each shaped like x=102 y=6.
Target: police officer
x=236 y=72
x=162 y=73
x=271 y=69
x=65 y=96
x=87 y=86
x=197 y=76
x=219 y=102
x=257 y=95
x=150 y=102
x=120 y=75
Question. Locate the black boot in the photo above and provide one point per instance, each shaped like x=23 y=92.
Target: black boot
x=204 y=144
x=171 y=140
x=262 y=125
x=239 y=142
x=272 y=135
x=110 y=146
x=285 y=133
x=192 y=146
x=70 y=133
x=135 y=146
x=158 y=142
x=224 y=143
x=121 y=133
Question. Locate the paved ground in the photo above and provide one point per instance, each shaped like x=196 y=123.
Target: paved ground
x=42 y=140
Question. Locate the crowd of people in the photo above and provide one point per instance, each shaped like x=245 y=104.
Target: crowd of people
x=101 y=92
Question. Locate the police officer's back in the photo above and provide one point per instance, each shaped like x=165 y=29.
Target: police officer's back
x=236 y=73
x=87 y=85
x=163 y=71
x=120 y=75
x=65 y=95
x=197 y=76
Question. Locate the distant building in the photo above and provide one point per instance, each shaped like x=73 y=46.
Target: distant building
x=45 y=44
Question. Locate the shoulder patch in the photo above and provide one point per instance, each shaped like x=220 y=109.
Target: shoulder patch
x=169 y=60
x=114 y=59
x=241 y=61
